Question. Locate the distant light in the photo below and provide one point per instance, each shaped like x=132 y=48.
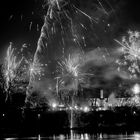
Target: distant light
x=38 y=115
x=39 y=138
x=108 y=25
x=134 y=112
x=71 y=108
x=3 y=115
x=136 y=89
x=54 y=105
x=86 y=109
x=136 y=136
x=61 y=137
x=86 y=136
x=31 y=70
x=81 y=108
x=76 y=107
x=61 y=105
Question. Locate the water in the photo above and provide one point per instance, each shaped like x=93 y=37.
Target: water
x=83 y=136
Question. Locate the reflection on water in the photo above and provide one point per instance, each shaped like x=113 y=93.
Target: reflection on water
x=85 y=136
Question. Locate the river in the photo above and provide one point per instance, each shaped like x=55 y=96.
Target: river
x=83 y=136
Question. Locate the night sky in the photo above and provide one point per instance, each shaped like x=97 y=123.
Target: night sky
x=16 y=17
x=122 y=15
x=13 y=29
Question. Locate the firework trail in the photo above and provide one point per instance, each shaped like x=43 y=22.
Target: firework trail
x=131 y=53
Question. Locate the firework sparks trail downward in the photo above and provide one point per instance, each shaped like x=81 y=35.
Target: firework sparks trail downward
x=131 y=53
x=10 y=67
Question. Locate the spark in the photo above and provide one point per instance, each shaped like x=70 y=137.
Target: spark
x=102 y=7
x=85 y=14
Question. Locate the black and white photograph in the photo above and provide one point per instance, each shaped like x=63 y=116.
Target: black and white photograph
x=70 y=70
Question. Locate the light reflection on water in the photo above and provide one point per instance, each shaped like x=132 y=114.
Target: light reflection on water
x=85 y=136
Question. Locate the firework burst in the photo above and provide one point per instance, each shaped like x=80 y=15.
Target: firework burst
x=71 y=68
x=131 y=52
x=35 y=69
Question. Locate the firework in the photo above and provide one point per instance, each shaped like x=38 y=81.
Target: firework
x=131 y=46
x=131 y=52
x=71 y=68
x=11 y=66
